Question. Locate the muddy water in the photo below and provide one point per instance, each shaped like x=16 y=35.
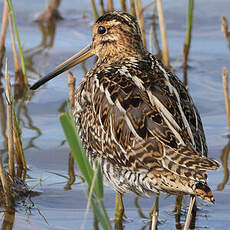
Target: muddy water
x=47 y=153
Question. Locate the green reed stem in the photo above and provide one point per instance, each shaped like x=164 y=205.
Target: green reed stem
x=102 y=7
x=188 y=31
x=18 y=40
x=9 y=99
x=123 y=5
x=94 y=8
x=18 y=143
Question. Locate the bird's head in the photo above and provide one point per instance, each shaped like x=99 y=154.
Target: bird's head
x=115 y=35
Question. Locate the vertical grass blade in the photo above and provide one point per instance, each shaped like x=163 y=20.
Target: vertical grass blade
x=76 y=147
x=95 y=181
x=163 y=33
x=94 y=8
x=226 y=94
x=140 y=18
x=4 y=184
x=3 y=32
x=188 y=31
x=9 y=122
x=110 y=5
x=18 y=39
x=101 y=215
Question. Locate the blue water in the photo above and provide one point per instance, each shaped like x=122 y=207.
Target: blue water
x=66 y=209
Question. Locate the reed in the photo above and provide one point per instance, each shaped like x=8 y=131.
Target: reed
x=132 y=8
x=81 y=159
x=123 y=6
x=140 y=19
x=153 y=34
x=102 y=7
x=165 y=50
x=3 y=32
x=19 y=76
x=9 y=99
x=19 y=152
x=226 y=93
x=94 y=8
x=224 y=28
x=71 y=86
x=188 y=32
x=188 y=37
x=110 y=7
x=189 y=214
x=20 y=80
x=154 y=213
x=11 y=10
x=93 y=178
x=4 y=183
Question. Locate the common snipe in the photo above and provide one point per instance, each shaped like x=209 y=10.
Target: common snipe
x=136 y=117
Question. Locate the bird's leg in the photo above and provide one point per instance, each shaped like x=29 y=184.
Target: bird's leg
x=119 y=209
x=154 y=213
x=189 y=215
x=177 y=209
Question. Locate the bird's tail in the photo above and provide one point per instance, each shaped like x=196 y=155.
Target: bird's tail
x=204 y=192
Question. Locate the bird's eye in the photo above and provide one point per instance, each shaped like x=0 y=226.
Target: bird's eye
x=101 y=30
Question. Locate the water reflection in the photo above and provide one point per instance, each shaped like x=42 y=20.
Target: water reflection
x=3 y=121
x=225 y=30
x=71 y=173
x=46 y=23
x=8 y=219
x=224 y=160
x=47 y=30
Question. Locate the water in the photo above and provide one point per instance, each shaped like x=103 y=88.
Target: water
x=47 y=156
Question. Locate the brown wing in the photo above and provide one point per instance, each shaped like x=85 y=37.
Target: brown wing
x=139 y=121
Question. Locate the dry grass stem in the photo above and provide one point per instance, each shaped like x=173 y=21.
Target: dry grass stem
x=151 y=39
x=189 y=214
x=132 y=8
x=55 y=4
x=226 y=93
x=224 y=26
x=3 y=119
x=225 y=30
x=4 y=183
x=102 y=7
x=71 y=86
x=71 y=173
x=19 y=152
x=154 y=213
x=9 y=122
x=94 y=8
x=140 y=18
x=123 y=6
x=165 y=54
x=16 y=61
x=110 y=5
x=3 y=31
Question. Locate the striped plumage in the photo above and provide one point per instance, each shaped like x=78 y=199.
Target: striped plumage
x=135 y=117
x=138 y=119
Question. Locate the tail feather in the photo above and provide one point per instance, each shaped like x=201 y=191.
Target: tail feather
x=204 y=192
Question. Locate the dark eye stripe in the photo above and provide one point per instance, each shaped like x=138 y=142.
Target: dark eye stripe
x=101 y=30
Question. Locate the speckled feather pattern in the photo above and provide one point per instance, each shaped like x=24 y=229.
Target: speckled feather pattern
x=138 y=120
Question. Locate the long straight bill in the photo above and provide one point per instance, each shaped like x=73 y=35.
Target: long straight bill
x=69 y=63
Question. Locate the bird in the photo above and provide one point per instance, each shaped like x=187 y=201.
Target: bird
x=135 y=117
